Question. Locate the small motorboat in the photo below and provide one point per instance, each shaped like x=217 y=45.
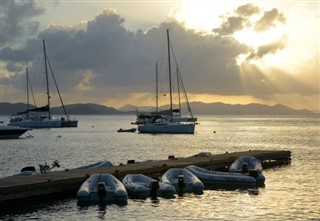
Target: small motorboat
x=31 y=170
x=28 y=171
x=102 y=188
x=132 y=130
x=183 y=180
x=248 y=165
x=11 y=132
x=45 y=168
x=222 y=179
x=141 y=186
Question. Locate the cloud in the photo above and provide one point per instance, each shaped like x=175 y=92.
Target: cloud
x=16 y=20
x=86 y=82
x=123 y=61
x=231 y=25
x=265 y=84
x=267 y=49
x=247 y=10
x=244 y=17
x=100 y=60
x=269 y=20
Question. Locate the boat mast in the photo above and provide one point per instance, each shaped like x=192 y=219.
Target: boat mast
x=157 y=90
x=178 y=84
x=168 y=40
x=27 y=92
x=34 y=101
x=55 y=83
x=47 y=80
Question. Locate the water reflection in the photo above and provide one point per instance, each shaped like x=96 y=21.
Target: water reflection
x=102 y=210
x=291 y=192
x=102 y=204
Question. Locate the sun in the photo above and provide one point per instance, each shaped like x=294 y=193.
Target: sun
x=256 y=39
x=205 y=16
x=273 y=39
x=200 y=15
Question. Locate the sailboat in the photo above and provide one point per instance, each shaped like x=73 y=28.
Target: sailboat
x=40 y=117
x=169 y=121
x=149 y=117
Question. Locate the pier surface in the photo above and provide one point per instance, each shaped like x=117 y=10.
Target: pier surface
x=19 y=188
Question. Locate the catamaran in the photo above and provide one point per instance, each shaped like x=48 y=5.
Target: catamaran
x=41 y=117
x=169 y=121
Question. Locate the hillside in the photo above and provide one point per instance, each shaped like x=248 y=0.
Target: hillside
x=73 y=109
x=89 y=108
x=198 y=108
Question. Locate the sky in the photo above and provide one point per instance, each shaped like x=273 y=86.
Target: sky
x=106 y=52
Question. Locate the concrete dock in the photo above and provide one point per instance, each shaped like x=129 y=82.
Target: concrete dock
x=18 y=189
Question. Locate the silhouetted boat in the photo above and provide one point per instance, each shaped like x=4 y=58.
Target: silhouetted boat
x=11 y=132
x=127 y=130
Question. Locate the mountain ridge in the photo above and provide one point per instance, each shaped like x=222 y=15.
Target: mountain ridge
x=198 y=108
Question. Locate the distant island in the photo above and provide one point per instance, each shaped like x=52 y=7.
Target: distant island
x=198 y=108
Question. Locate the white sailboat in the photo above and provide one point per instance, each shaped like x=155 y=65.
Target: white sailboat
x=149 y=117
x=171 y=122
x=40 y=117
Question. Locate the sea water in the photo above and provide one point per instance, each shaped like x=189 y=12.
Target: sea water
x=291 y=192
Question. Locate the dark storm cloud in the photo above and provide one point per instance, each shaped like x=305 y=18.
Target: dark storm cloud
x=16 y=20
x=117 y=58
x=102 y=58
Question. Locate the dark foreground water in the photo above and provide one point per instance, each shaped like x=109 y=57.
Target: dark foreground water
x=291 y=192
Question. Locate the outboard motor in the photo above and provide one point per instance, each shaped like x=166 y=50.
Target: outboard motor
x=28 y=168
x=153 y=189
x=244 y=168
x=55 y=164
x=181 y=183
x=254 y=173
x=44 y=168
x=102 y=193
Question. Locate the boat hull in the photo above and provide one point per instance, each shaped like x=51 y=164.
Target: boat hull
x=132 y=130
x=9 y=132
x=172 y=128
x=37 y=123
x=252 y=165
x=190 y=183
x=102 y=187
x=69 y=123
x=222 y=179
x=140 y=186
